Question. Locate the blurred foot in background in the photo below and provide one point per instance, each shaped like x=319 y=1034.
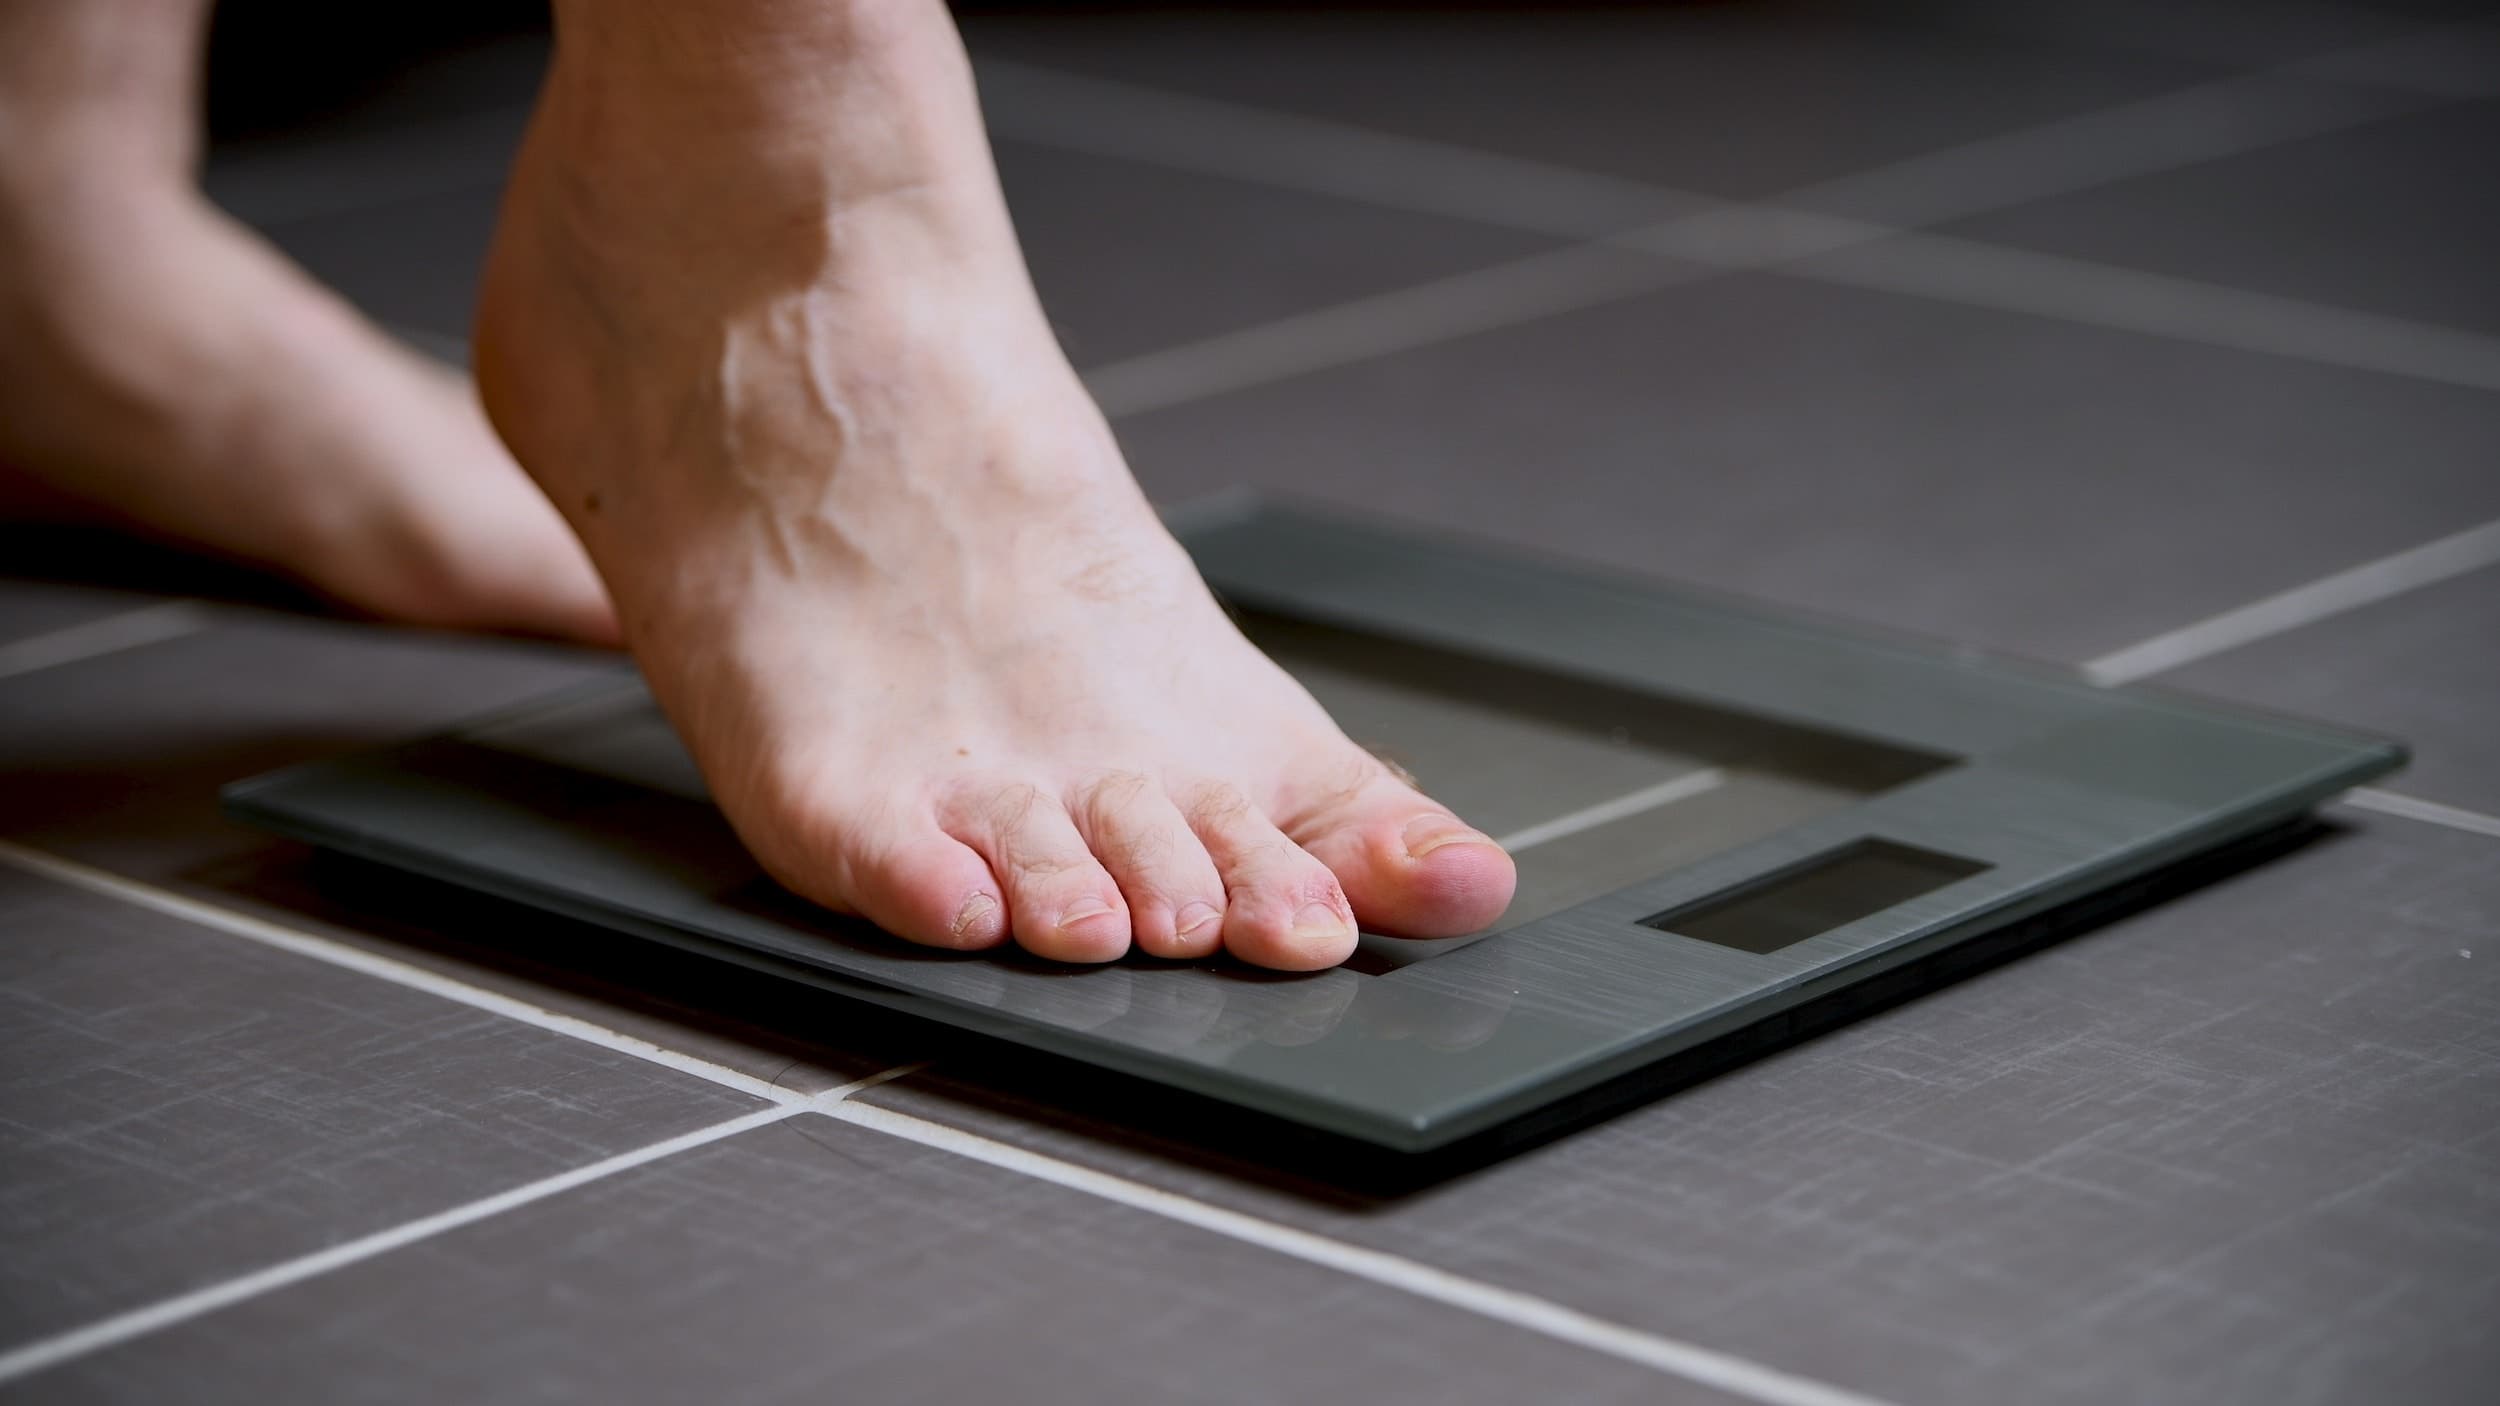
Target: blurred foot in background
x=163 y=369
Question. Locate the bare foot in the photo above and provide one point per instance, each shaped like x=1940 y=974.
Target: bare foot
x=162 y=368
x=762 y=332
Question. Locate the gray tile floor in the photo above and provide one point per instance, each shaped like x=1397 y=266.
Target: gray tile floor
x=2141 y=314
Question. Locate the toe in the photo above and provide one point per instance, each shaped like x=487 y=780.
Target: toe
x=929 y=888
x=1411 y=868
x=1175 y=898
x=1282 y=909
x=1061 y=903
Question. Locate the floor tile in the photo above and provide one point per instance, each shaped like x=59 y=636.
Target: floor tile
x=446 y=121
x=374 y=72
x=1128 y=258
x=2397 y=217
x=2227 y=1109
x=114 y=568
x=814 y=1260
x=31 y=608
x=2251 y=33
x=410 y=263
x=1997 y=479
x=1728 y=100
x=183 y=1106
x=791 y=1036
x=2237 y=1148
x=2422 y=667
x=116 y=760
x=1132 y=259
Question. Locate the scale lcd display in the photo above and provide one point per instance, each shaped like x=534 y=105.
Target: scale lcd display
x=1830 y=891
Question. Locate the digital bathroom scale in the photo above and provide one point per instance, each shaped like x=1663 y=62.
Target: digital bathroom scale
x=1723 y=819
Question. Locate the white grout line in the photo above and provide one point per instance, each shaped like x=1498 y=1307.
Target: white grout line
x=2472 y=822
x=340 y=954
x=1976 y=274
x=1503 y=295
x=2200 y=123
x=1106 y=117
x=1606 y=812
x=2366 y=584
x=1533 y=287
x=1208 y=136
x=2183 y=127
x=129 y=629
x=1693 y=1363
x=280 y=185
x=2234 y=33
x=51 y=1352
x=2458 y=61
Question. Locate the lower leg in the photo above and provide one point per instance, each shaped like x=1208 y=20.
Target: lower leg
x=757 y=322
x=162 y=368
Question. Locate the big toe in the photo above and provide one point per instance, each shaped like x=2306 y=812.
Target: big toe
x=1409 y=867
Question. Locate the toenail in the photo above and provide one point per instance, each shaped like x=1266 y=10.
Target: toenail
x=1197 y=915
x=975 y=912
x=1426 y=833
x=1082 y=909
x=1319 y=920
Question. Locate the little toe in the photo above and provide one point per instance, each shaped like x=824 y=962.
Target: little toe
x=1411 y=868
x=1283 y=908
x=1061 y=903
x=1175 y=897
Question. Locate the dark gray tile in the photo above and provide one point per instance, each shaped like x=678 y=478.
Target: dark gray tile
x=94 y=562
x=1128 y=258
x=2396 y=217
x=30 y=608
x=1132 y=258
x=408 y=263
x=117 y=759
x=182 y=1107
x=2244 y=1146
x=1729 y=100
x=814 y=1261
x=448 y=122
x=792 y=1036
x=2238 y=32
x=330 y=171
x=2031 y=485
x=374 y=72
x=2421 y=667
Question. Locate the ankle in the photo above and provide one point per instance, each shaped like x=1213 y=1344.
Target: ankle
x=832 y=102
x=761 y=76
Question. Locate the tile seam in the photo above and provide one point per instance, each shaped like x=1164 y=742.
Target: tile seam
x=1162 y=379
x=60 y=1348
x=122 y=630
x=1691 y=1362
x=235 y=923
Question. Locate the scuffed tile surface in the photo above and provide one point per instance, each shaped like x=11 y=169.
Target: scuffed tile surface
x=2423 y=667
x=178 y=1106
x=2152 y=1164
x=815 y=1261
x=2047 y=489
